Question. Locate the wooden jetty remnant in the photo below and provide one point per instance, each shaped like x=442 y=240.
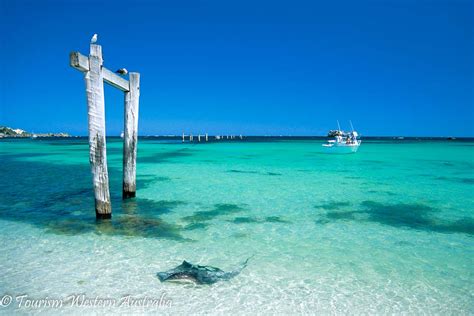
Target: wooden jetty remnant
x=95 y=75
x=130 y=139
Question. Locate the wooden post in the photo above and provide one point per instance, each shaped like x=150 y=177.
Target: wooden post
x=95 y=76
x=97 y=148
x=129 y=187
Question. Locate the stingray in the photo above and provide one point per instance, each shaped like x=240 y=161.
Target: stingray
x=199 y=274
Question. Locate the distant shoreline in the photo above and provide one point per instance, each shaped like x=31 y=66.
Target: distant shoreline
x=8 y=132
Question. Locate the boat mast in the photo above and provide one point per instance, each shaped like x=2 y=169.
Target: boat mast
x=338 y=126
x=352 y=127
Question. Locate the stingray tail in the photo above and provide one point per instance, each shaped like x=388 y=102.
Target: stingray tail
x=245 y=263
x=232 y=274
x=242 y=266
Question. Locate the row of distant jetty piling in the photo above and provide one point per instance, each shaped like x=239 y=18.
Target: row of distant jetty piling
x=206 y=137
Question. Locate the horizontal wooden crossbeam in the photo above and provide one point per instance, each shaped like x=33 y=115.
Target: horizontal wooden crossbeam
x=81 y=63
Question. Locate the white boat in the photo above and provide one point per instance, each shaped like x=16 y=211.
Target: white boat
x=122 y=135
x=343 y=142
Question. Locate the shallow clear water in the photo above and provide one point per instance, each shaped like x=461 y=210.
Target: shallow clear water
x=387 y=230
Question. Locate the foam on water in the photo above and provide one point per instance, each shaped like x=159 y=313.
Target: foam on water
x=387 y=230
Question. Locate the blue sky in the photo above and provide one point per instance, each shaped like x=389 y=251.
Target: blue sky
x=394 y=67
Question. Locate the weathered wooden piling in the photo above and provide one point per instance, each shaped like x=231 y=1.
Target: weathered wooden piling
x=130 y=138
x=97 y=145
x=95 y=76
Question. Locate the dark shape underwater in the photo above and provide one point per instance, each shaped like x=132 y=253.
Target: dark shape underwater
x=199 y=274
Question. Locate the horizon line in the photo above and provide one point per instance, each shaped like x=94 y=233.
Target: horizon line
x=302 y=136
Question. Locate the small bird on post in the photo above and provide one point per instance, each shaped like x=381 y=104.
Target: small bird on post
x=94 y=39
x=122 y=71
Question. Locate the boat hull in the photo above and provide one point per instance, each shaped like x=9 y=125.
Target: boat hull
x=341 y=148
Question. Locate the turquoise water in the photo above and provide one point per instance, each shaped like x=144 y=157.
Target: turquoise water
x=387 y=230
